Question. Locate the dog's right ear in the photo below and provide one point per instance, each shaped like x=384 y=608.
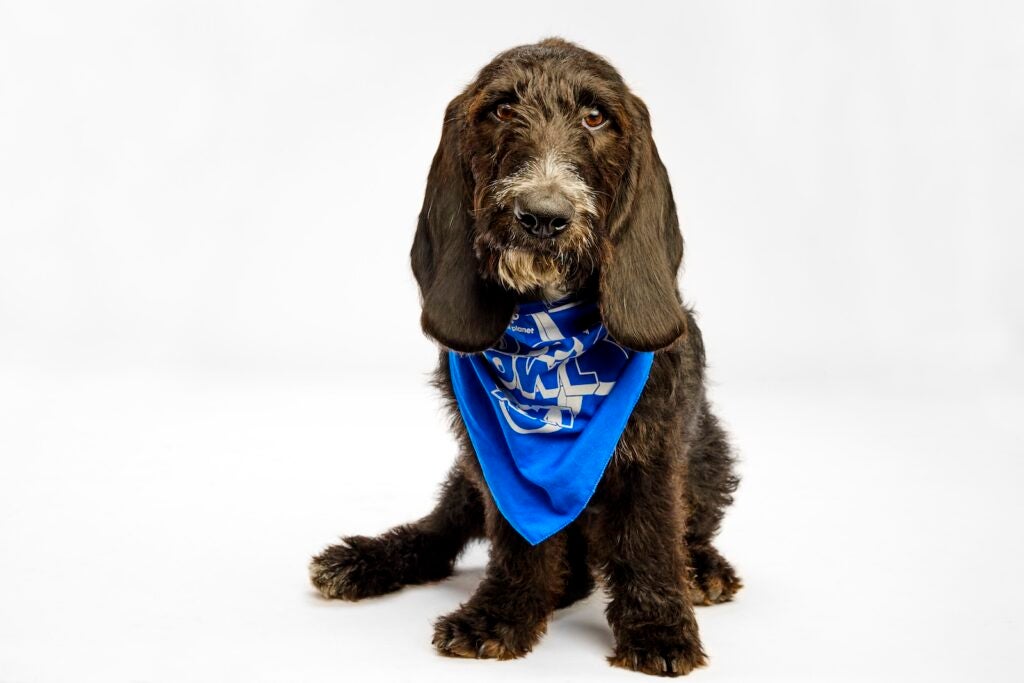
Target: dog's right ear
x=460 y=310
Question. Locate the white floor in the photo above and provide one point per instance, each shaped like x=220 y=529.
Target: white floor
x=156 y=527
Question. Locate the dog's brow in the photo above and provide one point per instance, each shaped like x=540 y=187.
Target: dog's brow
x=586 y=96
x=496 y=95
x=489 y=97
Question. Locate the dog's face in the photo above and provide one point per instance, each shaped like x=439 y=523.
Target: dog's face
x=546 y=143
x=546 y=182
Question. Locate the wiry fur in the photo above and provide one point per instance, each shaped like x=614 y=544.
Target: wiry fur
x=647 y=532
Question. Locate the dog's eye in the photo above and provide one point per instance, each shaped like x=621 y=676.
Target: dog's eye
x=504 y=112
x=594 y=119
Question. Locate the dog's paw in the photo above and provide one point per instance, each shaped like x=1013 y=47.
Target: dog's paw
x=712 y=579
x=475 y=633
x=660 y=657
x=354 y=569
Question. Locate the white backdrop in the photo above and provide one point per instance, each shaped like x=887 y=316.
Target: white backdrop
x=209 y=342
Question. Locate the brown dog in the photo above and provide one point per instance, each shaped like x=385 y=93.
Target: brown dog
x=546 y=183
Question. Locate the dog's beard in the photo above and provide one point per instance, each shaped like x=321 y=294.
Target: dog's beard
x=551 y=268
x=524 y=271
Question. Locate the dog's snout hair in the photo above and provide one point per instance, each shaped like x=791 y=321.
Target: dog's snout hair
x=547 y=176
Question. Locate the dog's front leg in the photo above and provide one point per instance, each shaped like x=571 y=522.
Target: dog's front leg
x=509 y=611
x=361 y=567
x=637 y=541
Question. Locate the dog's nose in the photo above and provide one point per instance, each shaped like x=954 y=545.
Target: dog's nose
x=544 y=215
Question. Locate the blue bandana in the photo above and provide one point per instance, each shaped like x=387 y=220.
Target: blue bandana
x=545 y=409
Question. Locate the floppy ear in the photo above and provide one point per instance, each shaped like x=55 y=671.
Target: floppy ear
x=640 y=303
x=460 y=310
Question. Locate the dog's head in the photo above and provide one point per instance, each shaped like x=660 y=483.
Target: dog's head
x=547 y=181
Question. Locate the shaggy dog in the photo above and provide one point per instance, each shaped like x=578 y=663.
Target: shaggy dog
x=547 y=183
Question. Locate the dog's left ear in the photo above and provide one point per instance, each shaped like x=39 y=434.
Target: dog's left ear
x=640 y=303
x=460 y=309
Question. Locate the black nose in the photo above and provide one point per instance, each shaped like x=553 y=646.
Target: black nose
x=543 y=215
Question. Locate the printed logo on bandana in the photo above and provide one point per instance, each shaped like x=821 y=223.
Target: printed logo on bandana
x=544 y=386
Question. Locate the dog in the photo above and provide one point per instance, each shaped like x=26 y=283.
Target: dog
x=547 y=184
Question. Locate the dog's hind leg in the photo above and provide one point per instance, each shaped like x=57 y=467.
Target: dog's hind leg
x=710 y=483
x=361 y=567
x=711 y=578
